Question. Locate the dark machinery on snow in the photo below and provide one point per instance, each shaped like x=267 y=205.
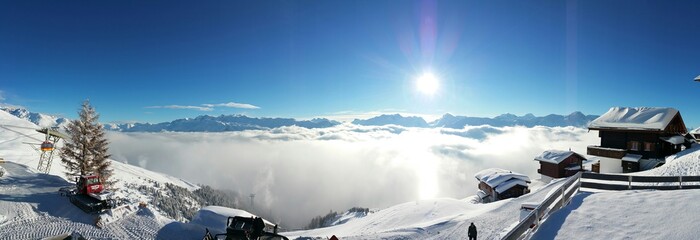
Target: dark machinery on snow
x=245 y=228
x=90 y=195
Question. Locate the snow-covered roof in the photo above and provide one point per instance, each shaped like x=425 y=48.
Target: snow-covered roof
x=554 y=156
x=675 y=140
x=631 y=157
x=639 y=118
x=509 y=184
x=496 y=176
x=696 y=131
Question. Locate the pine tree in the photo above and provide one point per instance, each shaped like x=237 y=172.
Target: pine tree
x=86 y=150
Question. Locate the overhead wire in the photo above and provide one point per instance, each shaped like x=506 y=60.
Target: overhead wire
x=18 y=132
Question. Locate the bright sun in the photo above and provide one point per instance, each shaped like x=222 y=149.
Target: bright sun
x=427 y=84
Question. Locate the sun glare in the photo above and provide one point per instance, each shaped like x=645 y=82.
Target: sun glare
x=427 y=84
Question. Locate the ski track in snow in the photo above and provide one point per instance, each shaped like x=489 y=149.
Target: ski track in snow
x=35 y=210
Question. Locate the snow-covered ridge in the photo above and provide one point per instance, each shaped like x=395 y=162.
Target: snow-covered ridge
x=224 y=123
x=575 y=119
x=40 y=119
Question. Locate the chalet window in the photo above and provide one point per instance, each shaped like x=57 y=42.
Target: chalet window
x=648 y=147
x=634 y=146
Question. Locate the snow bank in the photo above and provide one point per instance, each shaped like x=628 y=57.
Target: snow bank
x=642 y=118
x=684 y=163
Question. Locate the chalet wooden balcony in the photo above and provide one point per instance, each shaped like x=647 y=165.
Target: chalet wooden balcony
x=606 y=152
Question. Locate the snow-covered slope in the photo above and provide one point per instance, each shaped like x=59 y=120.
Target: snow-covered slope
x=40 y=119
x=213 y=218
x=684 y=163
x=432 y=219
x=642 y=214
x=639 y=214
x=31 y=208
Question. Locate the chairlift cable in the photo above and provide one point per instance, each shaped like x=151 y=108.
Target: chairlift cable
x=18 y=132
x=3 y=142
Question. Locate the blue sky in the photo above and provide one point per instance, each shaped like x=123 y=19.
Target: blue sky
x=135 y=60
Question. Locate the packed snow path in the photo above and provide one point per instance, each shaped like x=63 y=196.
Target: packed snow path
x=31 y=208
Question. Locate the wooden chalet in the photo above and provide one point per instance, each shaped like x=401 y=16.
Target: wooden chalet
x=559 y=164
x=497 y=184
x=632 y=134
x=696 y=134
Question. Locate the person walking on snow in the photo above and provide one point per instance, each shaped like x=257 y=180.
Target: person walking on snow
x=472 y=232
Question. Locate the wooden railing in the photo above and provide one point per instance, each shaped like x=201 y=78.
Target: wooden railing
x=572 y=186
x=628 y=180
x=551 y=203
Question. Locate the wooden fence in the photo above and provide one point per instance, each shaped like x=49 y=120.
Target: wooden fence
x=556 y=201
x=626 y=182
x=551 y=203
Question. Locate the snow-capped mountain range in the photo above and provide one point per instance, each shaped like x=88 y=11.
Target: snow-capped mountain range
x=40 y=119
x=222 y=123
x=225 y=123
x=576 y=119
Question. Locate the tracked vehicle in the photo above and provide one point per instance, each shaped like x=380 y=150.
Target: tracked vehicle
x=90 y=195
x=245 y=228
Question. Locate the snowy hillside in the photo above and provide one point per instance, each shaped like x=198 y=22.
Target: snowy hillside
x=684 y=163
x=40 y=119
x=432 y=219
x=640 y=214
x=29 y=199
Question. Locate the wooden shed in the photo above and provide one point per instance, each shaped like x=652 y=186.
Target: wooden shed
x=497 y=184
x=559 y=164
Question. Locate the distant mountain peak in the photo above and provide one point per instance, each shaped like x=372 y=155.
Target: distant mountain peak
x=576 y=119
x=395 y=119
x=40 y=119
x=222 y=123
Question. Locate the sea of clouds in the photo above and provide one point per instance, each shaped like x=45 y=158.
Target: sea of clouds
x=298 y=173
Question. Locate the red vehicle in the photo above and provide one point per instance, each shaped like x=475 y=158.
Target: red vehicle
x=90 y=184
x=90 y=195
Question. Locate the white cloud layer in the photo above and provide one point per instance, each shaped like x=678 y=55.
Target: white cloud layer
x=233 y=105
x=298 y=173
x=183 y=107
x=205 y=107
